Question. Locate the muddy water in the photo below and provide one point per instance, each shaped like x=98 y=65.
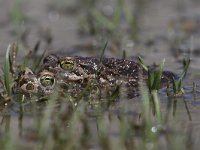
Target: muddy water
x=159 y=26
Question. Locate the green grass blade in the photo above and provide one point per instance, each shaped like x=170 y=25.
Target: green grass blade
x=6 y=70
x=101 y=58
x=157 y=106
x=142 y=63
x=103 y=51
x=158 y=74
x=103 y=21
x=186 y=64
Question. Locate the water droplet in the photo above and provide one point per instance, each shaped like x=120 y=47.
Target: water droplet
x=154 y=129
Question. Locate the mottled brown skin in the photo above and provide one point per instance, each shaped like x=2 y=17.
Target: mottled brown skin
x=74 y=74
x=109 y=67
x=26 y=82
x=91 y=65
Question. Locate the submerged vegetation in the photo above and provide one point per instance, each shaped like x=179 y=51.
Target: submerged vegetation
x=156 y=119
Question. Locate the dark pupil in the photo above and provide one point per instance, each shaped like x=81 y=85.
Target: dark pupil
x=29 y=86
x=47 y=81
x=67 y=65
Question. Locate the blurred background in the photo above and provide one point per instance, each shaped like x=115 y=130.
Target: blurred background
x=154 y=29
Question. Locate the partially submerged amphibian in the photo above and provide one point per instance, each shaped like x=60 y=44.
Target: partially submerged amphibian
x=73 y=75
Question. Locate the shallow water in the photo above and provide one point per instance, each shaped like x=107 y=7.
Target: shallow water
x=160 y=24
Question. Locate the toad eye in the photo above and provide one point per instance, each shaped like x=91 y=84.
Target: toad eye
x=67 y=64
x=47 y=80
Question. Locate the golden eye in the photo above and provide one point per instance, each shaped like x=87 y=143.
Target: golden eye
x=47 y=80
x=67 y=64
